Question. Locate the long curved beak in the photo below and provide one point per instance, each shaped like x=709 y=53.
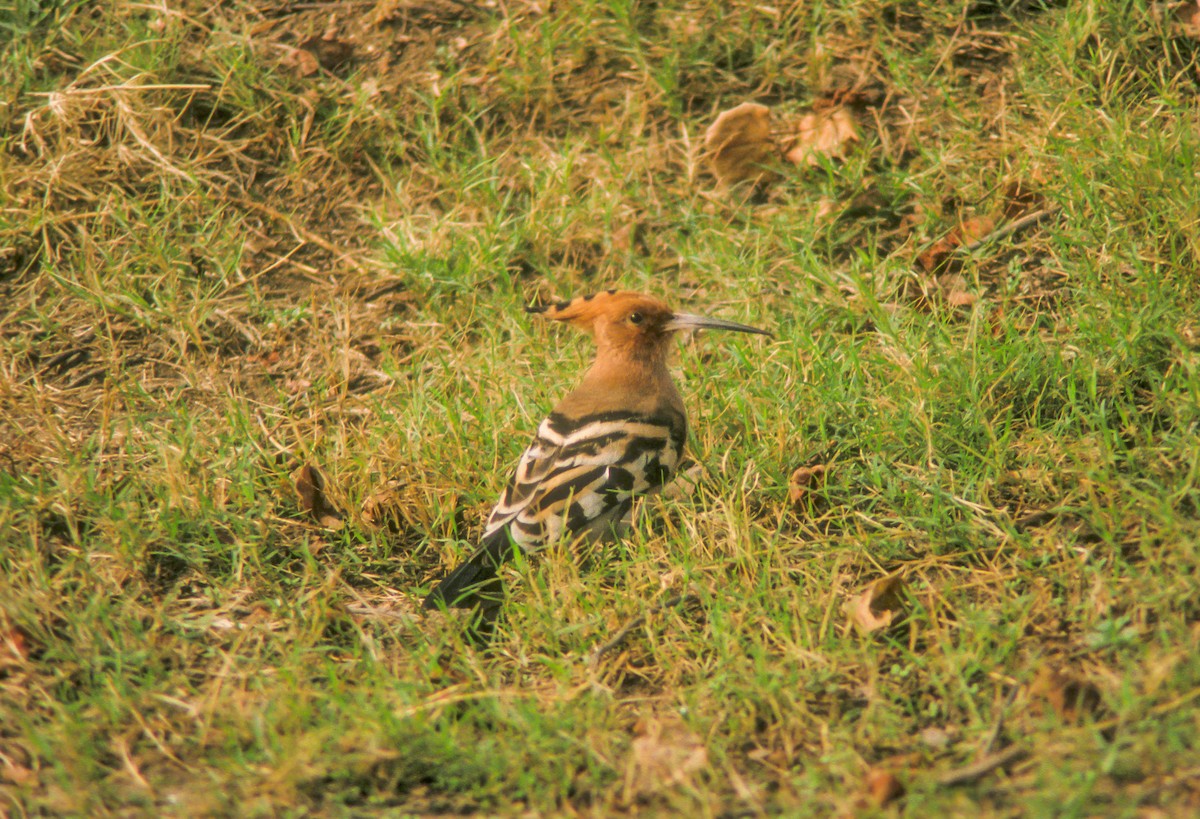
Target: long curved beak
x=688 y=321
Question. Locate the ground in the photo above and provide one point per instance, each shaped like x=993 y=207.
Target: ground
x=266 y=367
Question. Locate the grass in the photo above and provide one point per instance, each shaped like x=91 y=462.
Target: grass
x=222 y=259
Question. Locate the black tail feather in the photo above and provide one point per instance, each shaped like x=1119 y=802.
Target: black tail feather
x=474 y=583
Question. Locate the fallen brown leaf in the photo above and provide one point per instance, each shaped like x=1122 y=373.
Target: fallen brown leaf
x=1020 y=198
x=330 y=52
x=803 y=482
x=825 y=206
x=936 y=255
x=851 y=83
x=960 y=298
x=883 y=787
x=821 y=134
x=1071 y=697
x=310 y=486
x=302 y=62
x=878 y=605
x=14 y=647
x=384 y=506
x=16 y=774
x=1187 y=16
x=972 y=230
x=776 y=758
x=668 y=579
x=968 y=231
x=739 y=146
x=664 y=754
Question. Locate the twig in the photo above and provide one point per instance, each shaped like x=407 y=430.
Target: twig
x=638 y=622
x=1032 y=519
x=69 y=358
x=969 y=773
x=1012 y=227
x=103 y=89
x=66 y=359
x=381 y=614
x=91 y=375
x=301 y=233
x=999 y=726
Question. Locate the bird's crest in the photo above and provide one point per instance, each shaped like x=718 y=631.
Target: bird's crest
x=607 y=306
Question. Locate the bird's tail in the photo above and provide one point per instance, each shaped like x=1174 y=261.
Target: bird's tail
x=473 y=583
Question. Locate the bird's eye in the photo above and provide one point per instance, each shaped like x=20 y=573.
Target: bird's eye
x=635 y=318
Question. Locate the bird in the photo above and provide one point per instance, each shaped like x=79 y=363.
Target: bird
x=618 y=435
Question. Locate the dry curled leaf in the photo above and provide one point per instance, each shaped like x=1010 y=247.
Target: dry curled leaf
x=947 y=287
x=1183 y=18
x=1021 y=198
x=16 y=773
x=878 y=605
x=821 y=134
x=803 y=482
x=664 y=754
x=967 y=232
x=883 y=787
x=960 y=298
x=310 y=486
x=384 y=506
x=740 y=147
x=1070 y=697
x=669 y=579
x=316 y=53
x=972 y=230
x=330 y=52
x=14 y=648
x=302 y=62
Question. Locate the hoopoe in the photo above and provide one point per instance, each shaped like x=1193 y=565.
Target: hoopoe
x=618 y=435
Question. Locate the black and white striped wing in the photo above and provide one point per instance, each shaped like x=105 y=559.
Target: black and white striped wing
x=577 y=478
x=580 y=475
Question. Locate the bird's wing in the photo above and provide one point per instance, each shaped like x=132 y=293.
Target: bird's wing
x=578 y=477
x=584 y=499
x=580 y=471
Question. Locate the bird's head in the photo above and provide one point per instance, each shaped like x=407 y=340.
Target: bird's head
x=631 y=325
